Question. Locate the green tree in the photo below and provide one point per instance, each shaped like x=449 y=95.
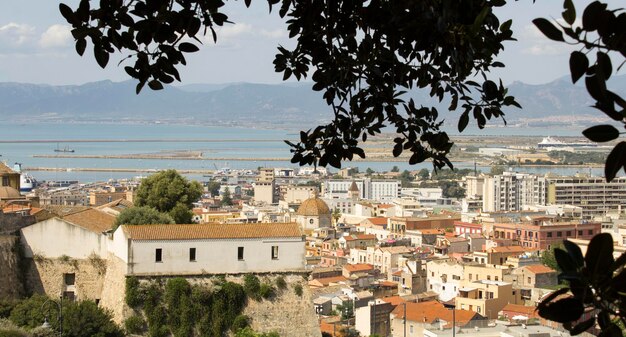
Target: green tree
x=181 y=214
x=369 y=171
x=395 y=169
x=165 y=190
x=496 y=170
x=423 y=174
x=213 y=187
x=143 y=215
x=406 y=178
x=362 y=55
x=548 y=258
x=226 y=198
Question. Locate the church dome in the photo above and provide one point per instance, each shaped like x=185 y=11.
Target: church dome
x=8 y=192
x=313 y=207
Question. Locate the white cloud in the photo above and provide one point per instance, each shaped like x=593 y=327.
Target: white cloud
x=236 y=30
x=273 y=34
x=15 y=34
x=56 y=36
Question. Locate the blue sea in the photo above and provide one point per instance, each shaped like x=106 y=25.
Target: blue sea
x=213 y=142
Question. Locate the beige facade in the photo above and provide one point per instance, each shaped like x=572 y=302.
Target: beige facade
x=593 y=194
x=486 y=298
x=484 y=272
x=444 y=277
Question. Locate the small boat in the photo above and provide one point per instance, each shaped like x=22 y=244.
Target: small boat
x=65 y=149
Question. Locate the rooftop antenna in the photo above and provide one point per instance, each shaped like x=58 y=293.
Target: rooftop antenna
x=475 y=172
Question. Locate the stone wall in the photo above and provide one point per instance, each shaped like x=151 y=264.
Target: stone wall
x=10 y=280
x=114 y=289
x=47 y=276
x=10 y=223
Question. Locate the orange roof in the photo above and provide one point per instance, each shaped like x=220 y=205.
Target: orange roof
x=11 y=208
x=387 y=284
x=539 y=269
x=378 y=221
x=520 y=309
x=92 y=219
x=393 y=300
x=385 y=206
x=358 y=267
x=428 y=312
x=5 y=169
x=328 y=280
x=397 y=273
x=360 y=237
x=212 y=231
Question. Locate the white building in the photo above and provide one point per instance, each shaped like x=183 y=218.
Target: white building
x=211 y=248
x=77 y=236
x=444 y=277
x=510 y=191
x=371 y=189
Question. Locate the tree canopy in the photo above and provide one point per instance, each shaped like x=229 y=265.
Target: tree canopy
x=169 y=192
x=363 y=56
x=143 y=215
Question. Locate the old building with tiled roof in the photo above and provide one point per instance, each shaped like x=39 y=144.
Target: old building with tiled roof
x=314 y=213
x=209 y=248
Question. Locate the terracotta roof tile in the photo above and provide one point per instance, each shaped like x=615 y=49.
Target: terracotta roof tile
x=358 y=267
x=393 y=300
x=212 y=231
x=385 y=206
x=511 y=249
x=360 y=237
x=378 y=221
x=428 y=312
x=521 y=309
x=5 y=169
x=92 y=219
x=539 y=269
x=63 y=210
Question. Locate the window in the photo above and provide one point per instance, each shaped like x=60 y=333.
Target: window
x=192 y=255
x=5 y=181
x=311 y=221
x=529 y=280
x=568 y=233
x=158 y=255
x=274 y=252
x=559 y=234
x=496 y=278
x=488 y=277
x=549 y=234
x=69 y=279
x=580 y=233
x=590 y=232
x=240 y=253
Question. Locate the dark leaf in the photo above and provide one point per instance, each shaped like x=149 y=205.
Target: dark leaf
x=592 y=15
x=569 y=14
x=564 y=260
x=155 y=85
x=615 y=161
x=612 y=331
x=463 y=121
x=562 y=310
x=582 y=326
x=574 y=252
x=619 y=262
x=188 y=47
x=604 y=63
x=578 y=64
x=601 y=133
x=67 y=13
x=102 y=57
x=80 y=46
x=548 y=29
x=599 y=257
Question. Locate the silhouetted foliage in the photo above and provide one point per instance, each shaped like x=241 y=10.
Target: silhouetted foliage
x=363 y=56
x=596 y=280
x=143 y=215
x=602 y=31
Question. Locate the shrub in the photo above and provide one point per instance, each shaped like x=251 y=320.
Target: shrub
x=11 y=333
x=240 y=322
x=135 y=324
x=298 y=289
x=6 y=306
x=252 y=286
x=30 y=314
x=280 y=283
x=266 y=291
x=133 y=292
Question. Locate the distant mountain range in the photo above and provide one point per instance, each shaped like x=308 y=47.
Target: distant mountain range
x=285 y=104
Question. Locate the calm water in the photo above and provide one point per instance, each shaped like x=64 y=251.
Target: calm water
x=212 y=141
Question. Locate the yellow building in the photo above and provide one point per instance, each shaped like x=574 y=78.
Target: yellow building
x=486 y=297
x=9 y=184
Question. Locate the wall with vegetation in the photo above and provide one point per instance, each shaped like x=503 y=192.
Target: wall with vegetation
x=10 y=272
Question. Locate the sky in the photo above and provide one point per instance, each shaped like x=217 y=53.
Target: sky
x=36 y=46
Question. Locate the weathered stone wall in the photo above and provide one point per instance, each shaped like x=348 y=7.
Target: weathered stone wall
x=46 y=276
x=289 y=314
x=114 y=289
x=10 y=223
x=10 y=281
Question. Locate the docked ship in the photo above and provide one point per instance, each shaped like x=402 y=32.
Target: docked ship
x=27 y=182
x=550 y=142
x=65 y=149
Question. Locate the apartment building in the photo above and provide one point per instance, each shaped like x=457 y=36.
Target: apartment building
x=372 y=189
x=486 y=297
x=541 y=233
x=265 y=186
x=510 y=191
x=444 y=278
x=593 y=194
